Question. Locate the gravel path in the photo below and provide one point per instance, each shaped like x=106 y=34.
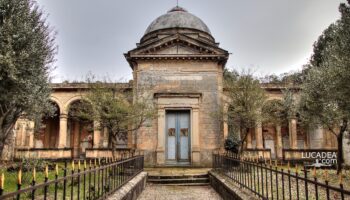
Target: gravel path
x=161 y=192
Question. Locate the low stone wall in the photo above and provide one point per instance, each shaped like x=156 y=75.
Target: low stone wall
x=43 y=153
x=132 y=189
x=106 y=152
x=227 y=189
x=346 y=149
x=258 y=153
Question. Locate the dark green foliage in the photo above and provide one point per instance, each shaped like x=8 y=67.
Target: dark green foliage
x=26 y=54
x=244 y=100
x=112 y=107
x=325 y=98
x=232 y=144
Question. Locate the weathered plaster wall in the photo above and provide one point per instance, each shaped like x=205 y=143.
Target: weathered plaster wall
x=182 y=77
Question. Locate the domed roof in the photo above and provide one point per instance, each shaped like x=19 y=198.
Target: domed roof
x=177 y=17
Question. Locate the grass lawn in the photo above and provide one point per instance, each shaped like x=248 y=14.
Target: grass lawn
x=74 y=186
x=260 y=181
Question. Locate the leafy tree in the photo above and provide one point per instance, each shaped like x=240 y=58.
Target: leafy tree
x=245 y=98
x=326 y=91
x=26 y=56
x=114 y=108
x=292 y=78
x=280 y=111
x=274 y=112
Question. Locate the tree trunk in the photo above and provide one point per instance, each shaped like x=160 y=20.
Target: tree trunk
x=240 y=148
x=340 y=158
x=5 y=132
x=2 y=145
x=111 y=139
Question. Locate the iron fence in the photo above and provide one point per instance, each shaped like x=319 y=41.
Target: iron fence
x=268 y=181
x=91 y=180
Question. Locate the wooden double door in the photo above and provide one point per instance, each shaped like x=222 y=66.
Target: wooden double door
x=178 y=136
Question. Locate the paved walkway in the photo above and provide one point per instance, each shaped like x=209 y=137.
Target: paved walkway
x=162 y=192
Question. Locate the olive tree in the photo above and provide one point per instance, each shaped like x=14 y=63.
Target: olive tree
x=114 y=107
x=26 y=56
x=244 y=101
x=325 y=98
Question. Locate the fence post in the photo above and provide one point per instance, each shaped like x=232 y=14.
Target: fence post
x=33 y=183
x=297 y=180
x=2 y=183
x=84 y=180
x=65 y=180
x=89 y=180
x=19 y=183
x=78 y=180
x=46 y=179
x=56 y=183
x=72 y=182
x=341 y=185
x=283 y=192
x=315 y=179
x=305 y=184
x=95 y=172
x=326 y=181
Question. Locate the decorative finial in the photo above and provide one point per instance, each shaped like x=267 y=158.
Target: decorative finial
x=177 y=3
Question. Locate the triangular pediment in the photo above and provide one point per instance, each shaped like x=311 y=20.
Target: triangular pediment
x=178 y=45
x=177 y=49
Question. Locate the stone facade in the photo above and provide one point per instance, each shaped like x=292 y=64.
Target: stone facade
x=184 y=85
x=177 y=67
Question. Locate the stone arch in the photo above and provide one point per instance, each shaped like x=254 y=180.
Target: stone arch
x=80 y=131
x=48 y=132
x=58 y=103
x=70 y=101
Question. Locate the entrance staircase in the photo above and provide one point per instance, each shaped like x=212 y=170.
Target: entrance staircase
x=178 y=176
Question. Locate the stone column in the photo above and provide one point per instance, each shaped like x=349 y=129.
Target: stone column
x=97 y=134
x=195 y=137
x=279 y=141
x=130 y=140
x=31 y=127
x=316 y=138
x=225 y=130
x=62 y=138
x=105 y=137
x=249 y=140
x=293 y=133
x=329 y=139
x=161 y=137
x=258 y=136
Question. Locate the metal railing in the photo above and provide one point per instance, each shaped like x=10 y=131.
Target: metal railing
x=93 y=180
x=268 y=181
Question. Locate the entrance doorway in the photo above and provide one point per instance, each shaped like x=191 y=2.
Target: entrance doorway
x=178 y=137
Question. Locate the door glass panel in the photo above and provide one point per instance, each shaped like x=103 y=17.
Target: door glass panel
x=171 y=136
x=184 y=121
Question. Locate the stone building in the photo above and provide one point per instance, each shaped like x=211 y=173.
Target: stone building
x=178 y=66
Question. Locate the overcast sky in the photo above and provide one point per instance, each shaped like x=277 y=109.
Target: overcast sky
x=269 y=36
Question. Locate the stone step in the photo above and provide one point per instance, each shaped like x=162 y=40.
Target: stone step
x=184 y=184
x=179 y=180
x=182 y=176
